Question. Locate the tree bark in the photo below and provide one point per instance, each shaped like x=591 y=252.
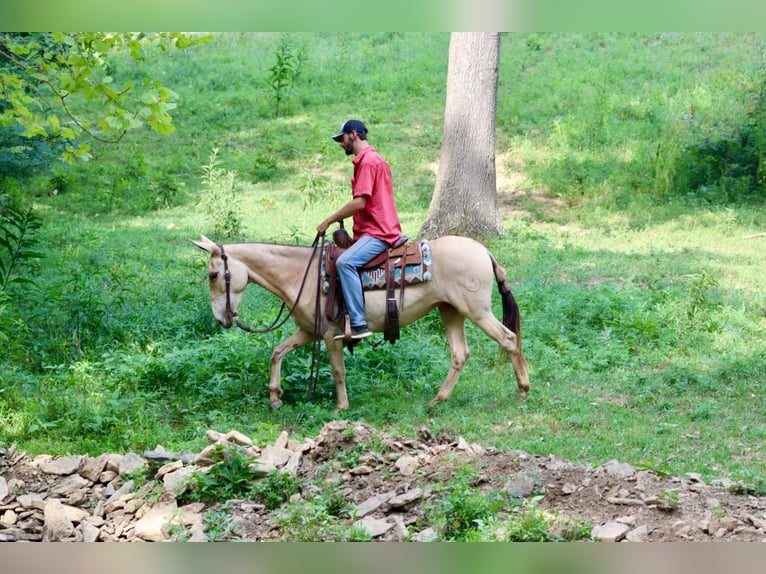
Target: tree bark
x=465 y=194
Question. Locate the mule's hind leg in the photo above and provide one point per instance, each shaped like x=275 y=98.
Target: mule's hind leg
x=508 y=341
x=454 y=328
x=338 y=366
x=297 y=339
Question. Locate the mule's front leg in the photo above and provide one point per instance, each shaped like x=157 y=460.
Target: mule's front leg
x=297 y=339
x=338 y=366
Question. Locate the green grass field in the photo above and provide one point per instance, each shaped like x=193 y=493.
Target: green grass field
x=627 y=188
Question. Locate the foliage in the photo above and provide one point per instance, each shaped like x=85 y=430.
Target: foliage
x=232 y=478
x=318 y=517
x=462 y=508
x=290 y=60
x=18 y=243
x=275 y=489
x=42 y=73
x=219 y=200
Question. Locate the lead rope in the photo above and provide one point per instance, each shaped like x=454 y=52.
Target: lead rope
x=319 y=325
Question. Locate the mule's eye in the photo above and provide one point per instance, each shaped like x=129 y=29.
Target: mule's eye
x=213 y=276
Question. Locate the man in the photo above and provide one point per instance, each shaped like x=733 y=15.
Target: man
x=376 y=221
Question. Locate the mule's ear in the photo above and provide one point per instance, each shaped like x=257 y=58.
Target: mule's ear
x=206 y=245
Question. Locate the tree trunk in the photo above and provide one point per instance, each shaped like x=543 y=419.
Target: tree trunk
x=465 y=195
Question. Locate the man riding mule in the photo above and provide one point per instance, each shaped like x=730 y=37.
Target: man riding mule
x=376 y=222
x=462 y=276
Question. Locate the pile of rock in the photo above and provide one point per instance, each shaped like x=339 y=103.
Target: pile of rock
x=108 y=497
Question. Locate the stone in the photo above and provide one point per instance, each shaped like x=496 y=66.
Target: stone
x=92 y=467
x=426 y=535
x=152 y=526
x=3 y=488
x=62 y=465
x=169 y=467
x=520 y=486
x=619 y=470
x=237 y=437
x=406 y=465
x=69 y=485
x=372 y=504
x=374 y=527
x=57 y=525
x=130 y=463
x=638 y=534
x=9 y=518
x=178 y=481
x=610 y=532
x=407 y=498
x=274 y=456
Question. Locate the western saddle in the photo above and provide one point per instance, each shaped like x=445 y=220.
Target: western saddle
x=400 y=254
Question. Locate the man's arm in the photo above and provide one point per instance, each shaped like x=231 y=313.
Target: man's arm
x=344 y=212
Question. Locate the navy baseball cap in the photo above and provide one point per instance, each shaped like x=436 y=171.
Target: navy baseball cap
x=348 y=127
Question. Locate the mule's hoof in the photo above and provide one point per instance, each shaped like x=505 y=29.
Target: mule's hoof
x=522 y=396
x=430 y=404
x=276 y=405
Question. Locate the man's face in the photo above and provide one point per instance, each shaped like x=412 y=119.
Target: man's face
x=347 y=143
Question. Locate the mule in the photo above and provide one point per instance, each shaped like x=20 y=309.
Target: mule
x=463 y=274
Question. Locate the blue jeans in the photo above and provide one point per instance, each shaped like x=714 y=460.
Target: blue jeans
x=348 y=264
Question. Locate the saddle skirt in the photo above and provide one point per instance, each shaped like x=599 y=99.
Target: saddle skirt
x=374 y=274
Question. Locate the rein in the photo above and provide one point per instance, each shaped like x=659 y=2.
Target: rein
x=277 y=323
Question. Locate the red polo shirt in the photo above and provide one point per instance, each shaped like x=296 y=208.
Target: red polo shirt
x=372 y=177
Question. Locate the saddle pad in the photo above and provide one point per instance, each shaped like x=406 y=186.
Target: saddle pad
x=375 y=278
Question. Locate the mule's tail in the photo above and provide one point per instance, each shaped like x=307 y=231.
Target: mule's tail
x=511 y=313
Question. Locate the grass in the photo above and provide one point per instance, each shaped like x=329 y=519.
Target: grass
x=643 y=304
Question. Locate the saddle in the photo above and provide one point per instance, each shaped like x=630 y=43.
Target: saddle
x=396 y=257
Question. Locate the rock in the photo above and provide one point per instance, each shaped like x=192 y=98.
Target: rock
x=610 y=532
x=9 y=518
x=568 y=488
x=167 y=468
x=638 y=534
x=426 y=535
x=755 y=521
x=520 y=486
x=374 y=527
x=274 y=456
x=69 y=485
x=178 y=480
x=64 y=465
x=619 y=470
x=92 y=467
x=3 y=488
x=372 y=504
x=31 y=500
x=406 y=465
x=57 y=525
x=406 y=499
x=152 y=527
x=130 y=463
x=282 y=440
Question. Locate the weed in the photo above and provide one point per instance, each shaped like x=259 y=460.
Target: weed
x=459 y=513
x=232 y=478
x=219 y=200
x=218 y=525
x=667 y=500
x=275 y=489
x=284 y=73
x=319 y=517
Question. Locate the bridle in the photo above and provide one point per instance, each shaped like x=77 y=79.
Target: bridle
x=320 y=324
x=276 y=324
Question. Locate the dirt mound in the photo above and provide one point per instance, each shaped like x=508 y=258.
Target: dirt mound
x=391 y=486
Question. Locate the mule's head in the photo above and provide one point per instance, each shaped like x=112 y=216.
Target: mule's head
x=225 y=314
